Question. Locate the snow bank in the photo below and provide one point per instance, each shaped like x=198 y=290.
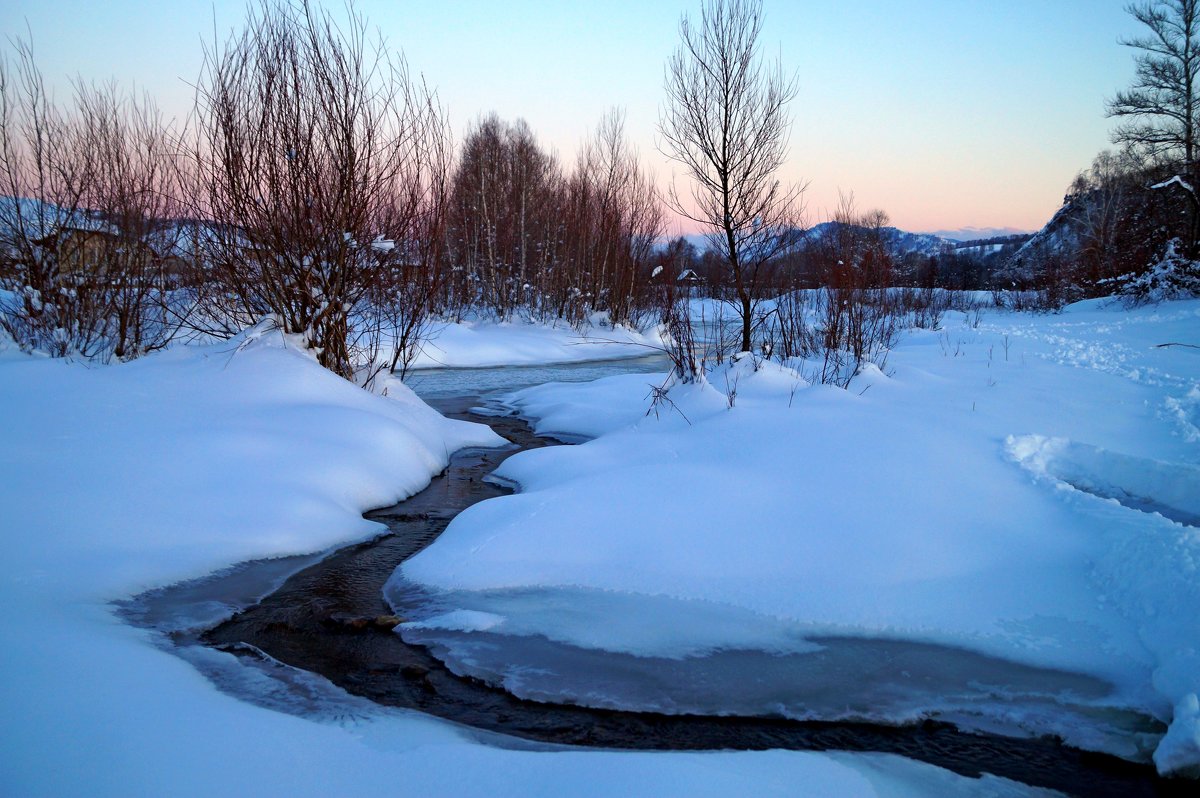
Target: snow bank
x=924 y=504
x=179 y=464
x=113 y=480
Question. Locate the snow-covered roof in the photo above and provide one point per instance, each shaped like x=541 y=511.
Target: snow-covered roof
x=41 y=218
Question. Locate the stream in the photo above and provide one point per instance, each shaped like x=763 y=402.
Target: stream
x=314 y=636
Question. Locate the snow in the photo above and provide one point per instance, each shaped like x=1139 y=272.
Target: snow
x=117 y=479
x=1172 y=276
x=1176 y=180
x=591 y=408
x=479 y=343
x=381 y=244
x=1025 y=489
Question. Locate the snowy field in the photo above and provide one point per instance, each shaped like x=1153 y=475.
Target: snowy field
x=1024 y=492
x=118 y=479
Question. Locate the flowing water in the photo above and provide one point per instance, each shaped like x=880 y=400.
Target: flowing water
x=314 y=637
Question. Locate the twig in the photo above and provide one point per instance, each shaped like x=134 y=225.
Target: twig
x=659 y=392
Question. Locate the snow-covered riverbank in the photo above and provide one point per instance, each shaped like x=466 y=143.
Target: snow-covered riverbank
x=116 y=479
x=1013 y=489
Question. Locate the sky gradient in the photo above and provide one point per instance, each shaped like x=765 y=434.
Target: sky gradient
x=944 y=113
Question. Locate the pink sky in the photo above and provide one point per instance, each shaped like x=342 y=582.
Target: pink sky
x=944 y=113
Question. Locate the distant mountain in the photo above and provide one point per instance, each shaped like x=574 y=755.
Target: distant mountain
x=982 y=247
x=898 y=242
x=977 y=233
x=966 y=240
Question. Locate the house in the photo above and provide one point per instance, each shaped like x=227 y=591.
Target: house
x=82 y=251
x=103 y=252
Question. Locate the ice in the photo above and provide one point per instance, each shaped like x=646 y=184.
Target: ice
x=475 y=343
x=198 y=604
x=434 y=383
x=593 y=648
x=607 y=620
x=460 y=621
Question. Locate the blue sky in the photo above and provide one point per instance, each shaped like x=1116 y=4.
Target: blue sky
x=945 y=113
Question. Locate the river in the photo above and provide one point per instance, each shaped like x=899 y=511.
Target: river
x=314 y=636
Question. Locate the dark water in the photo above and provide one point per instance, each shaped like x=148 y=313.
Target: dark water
x=329 y=618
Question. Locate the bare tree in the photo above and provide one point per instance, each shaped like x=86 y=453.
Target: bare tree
x=505 y=218
x=856 y=318
x=309 y=153
x=1102 y=195
x=85 y=189
x=726 y=123
x=1160 y=109
x=43 y=173
x=617 y=217
x=405 y=296
x=131 y=192
x=524 y=236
